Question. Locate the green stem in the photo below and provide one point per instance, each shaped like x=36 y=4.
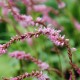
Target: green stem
x=60 y=65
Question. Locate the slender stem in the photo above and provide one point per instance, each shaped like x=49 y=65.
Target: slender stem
x=60 y=64
x=21 y=66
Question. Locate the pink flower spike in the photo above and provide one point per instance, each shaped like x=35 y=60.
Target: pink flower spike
x=27 y=21
x=2 y=50
x=61 y=5
x=53 y=35
x=18 y=54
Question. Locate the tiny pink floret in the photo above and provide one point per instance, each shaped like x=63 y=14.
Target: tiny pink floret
x=18 y=54
x=61 y=5
x=2 y=50
x=43 y=66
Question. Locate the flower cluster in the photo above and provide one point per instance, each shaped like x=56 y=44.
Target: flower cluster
x=38 y=74
x=54 y=35
x=2 y=49
x=18 y=54
x=61 y=4
x=27 y=20
x=43 y=28
x=22 y=55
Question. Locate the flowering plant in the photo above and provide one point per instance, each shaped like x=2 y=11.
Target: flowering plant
x=37 y=34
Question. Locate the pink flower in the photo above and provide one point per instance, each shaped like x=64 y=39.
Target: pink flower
x=58 y=40
x=25 y=20
x=41 y=8
x=61 y=5
x=47 y=19
x=18 y=54
x=76 y=24
x=37 y=74
x=53 y=35
x=41 y=76
x=2 y=50
x=22 y=19
x=43 y=66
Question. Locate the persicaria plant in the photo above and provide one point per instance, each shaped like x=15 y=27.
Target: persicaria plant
x=35 y=21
